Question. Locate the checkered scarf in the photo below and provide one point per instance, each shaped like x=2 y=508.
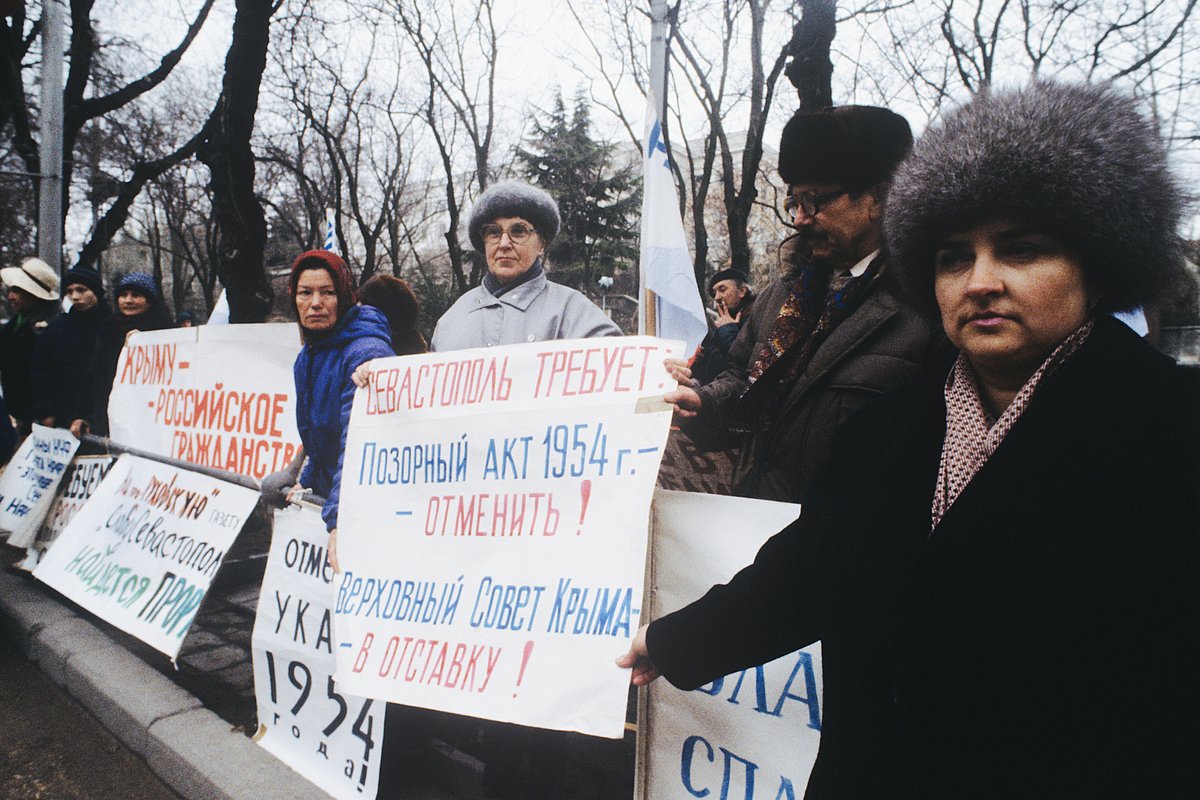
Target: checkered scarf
x=971 y=434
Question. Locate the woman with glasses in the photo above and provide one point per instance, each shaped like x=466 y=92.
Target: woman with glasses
x=1002 y=563
x=512 y=224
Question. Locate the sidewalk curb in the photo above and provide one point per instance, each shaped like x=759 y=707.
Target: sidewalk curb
x=189 y=747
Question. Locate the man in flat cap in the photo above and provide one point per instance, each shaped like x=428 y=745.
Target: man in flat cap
x=733 y=298
x=830 y=334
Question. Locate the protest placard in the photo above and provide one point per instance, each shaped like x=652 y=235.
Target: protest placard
x=222 y=396
x=493 y=526
x=304 y=719
x=752 y=735
x=30 y=479
x=143 y=550
x=80 y=480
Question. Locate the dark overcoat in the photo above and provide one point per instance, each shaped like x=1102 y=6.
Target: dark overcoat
x=62 y=365
x=1042 y=641
x=883 y=344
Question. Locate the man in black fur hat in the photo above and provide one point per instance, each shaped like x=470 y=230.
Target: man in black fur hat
x=830 y=334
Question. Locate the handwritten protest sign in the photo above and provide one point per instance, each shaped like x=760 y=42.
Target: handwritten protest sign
x=752 y=735
x=28 y=483
x=304 y=719
x=221 y=396
x=143 y=550
x=493 y=526
x=81 y=479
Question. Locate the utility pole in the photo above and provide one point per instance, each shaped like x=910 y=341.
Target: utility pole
x=50 y=183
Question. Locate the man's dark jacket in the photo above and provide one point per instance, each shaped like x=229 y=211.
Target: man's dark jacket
x=881 y=345
x=62 y=365
x=1041 y=642
x=18 y=339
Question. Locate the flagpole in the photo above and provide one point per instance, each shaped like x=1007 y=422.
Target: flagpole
x=658 y=91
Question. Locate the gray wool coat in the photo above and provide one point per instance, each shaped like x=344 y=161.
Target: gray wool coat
x=537 y=311
x=881 y=345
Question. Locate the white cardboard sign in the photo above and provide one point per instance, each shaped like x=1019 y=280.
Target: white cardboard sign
x=30 y=479
x=493 y=524
x=332 y=738
x=80 y=480
x=752 y=735
x=143 y=550
x=220 y=396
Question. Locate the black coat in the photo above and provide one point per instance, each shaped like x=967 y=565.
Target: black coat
x=17 y=345
x=109 y=345
x=62 y=365
x=1043 y=641
x=882 y=345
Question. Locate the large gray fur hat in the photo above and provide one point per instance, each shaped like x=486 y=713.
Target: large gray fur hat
x=514 y=199
x=1077 y=160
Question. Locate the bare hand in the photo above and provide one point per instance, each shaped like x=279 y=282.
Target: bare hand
x=686 y=401
x=362 y=375
x=678 y=369
x=725 y=318
x=296 y=494
x=331 y=550
x=80 y=428
x=638 y=658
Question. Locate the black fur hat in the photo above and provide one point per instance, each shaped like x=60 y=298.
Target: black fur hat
x=514 y=199
x=854 y=146
x=1077 y=160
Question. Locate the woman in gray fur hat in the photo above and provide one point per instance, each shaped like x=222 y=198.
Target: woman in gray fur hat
x=1003 y=565
x=512 y=224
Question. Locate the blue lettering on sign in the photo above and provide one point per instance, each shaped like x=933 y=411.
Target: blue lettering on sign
x=507 y=458
x=736 y=772
x=592 y=610
x=429 y=463
x=802 y=670
x=500 y=606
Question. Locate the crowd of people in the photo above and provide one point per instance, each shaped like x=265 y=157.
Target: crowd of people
x=57 y=366
x=999 y=541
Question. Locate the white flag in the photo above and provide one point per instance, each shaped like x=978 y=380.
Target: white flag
x=331 y=230
x=666 y=265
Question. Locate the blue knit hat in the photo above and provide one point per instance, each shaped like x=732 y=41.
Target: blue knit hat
x=139 y=281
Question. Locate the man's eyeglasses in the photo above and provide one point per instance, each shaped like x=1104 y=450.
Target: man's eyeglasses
x=809 y=203
x=518 y=232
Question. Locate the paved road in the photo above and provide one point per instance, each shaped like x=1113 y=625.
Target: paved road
x=52 y=749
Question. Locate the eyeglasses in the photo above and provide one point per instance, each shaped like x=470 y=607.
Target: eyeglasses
x=809 y=203
x=518 y=232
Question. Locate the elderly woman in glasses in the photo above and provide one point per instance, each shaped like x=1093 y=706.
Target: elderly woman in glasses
x=512 y=224
x=1003 y=563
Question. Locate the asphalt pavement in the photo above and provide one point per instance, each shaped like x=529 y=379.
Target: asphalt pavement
x=50 y=747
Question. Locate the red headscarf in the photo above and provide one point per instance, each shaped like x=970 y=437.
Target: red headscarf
x=333 y=264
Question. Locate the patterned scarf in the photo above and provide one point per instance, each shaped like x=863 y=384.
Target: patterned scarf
x=971 y=434
x=812 y=309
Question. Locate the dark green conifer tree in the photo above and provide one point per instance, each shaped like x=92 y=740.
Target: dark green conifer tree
x=598 y=196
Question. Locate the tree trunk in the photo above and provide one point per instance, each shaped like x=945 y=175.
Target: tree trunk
x=811 y=70
x=237 y=212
